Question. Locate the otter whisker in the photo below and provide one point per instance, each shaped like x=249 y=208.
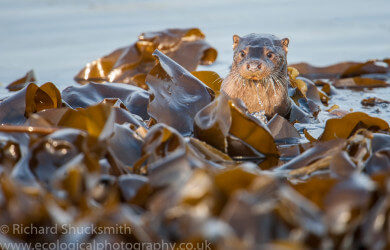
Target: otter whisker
x=258 y=95
x=264 y=83
x=272 y=82
x=280 y=80
x=275 y=78
x=218 y=79
x=282 y=83
x=239 y=79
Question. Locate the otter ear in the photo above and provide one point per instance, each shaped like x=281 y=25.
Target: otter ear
x=285 y=43
x=236 y=41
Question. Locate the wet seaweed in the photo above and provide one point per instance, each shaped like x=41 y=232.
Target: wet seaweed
x=182 y=162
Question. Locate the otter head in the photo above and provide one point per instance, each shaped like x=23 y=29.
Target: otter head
x=259 y=56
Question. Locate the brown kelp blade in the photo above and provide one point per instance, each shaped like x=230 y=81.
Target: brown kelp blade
x=22 y=82
x=17 y=108
x=345 y=127
x=176 y=94
x=131 y=64
x=342 y=70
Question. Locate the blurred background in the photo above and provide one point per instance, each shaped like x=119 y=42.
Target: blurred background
x=57 y=38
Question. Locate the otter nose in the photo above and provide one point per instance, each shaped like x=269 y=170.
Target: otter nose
x=253 y=65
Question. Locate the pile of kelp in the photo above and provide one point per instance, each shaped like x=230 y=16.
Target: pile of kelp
x=170 y=156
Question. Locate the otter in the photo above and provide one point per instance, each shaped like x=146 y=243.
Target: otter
x=258 y=75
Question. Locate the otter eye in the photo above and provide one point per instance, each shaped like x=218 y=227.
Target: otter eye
x=242 y=53
x=270 y=54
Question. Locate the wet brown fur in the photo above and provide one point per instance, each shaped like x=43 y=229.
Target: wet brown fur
x=261 y=88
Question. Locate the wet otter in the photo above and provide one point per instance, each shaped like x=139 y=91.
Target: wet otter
x=258 y=74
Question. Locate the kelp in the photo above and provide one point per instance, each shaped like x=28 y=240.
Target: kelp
x=343 y=70
x=22 y=82
x=281 y=129
x=135 y=99
x=176 y=89
x=306 y=98
x=346 y=126
x=369 y=67
x=125 y=144
x=370 y=74
x=220 y=123
x=328 y=72
x=184 y=163
x=373 y=101
x=131 y=64
x=17 y=108
x=256 y=134
x=210 y=78
x=359 y=82
x=97 y=121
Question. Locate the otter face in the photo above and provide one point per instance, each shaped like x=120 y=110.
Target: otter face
x=258 y=56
